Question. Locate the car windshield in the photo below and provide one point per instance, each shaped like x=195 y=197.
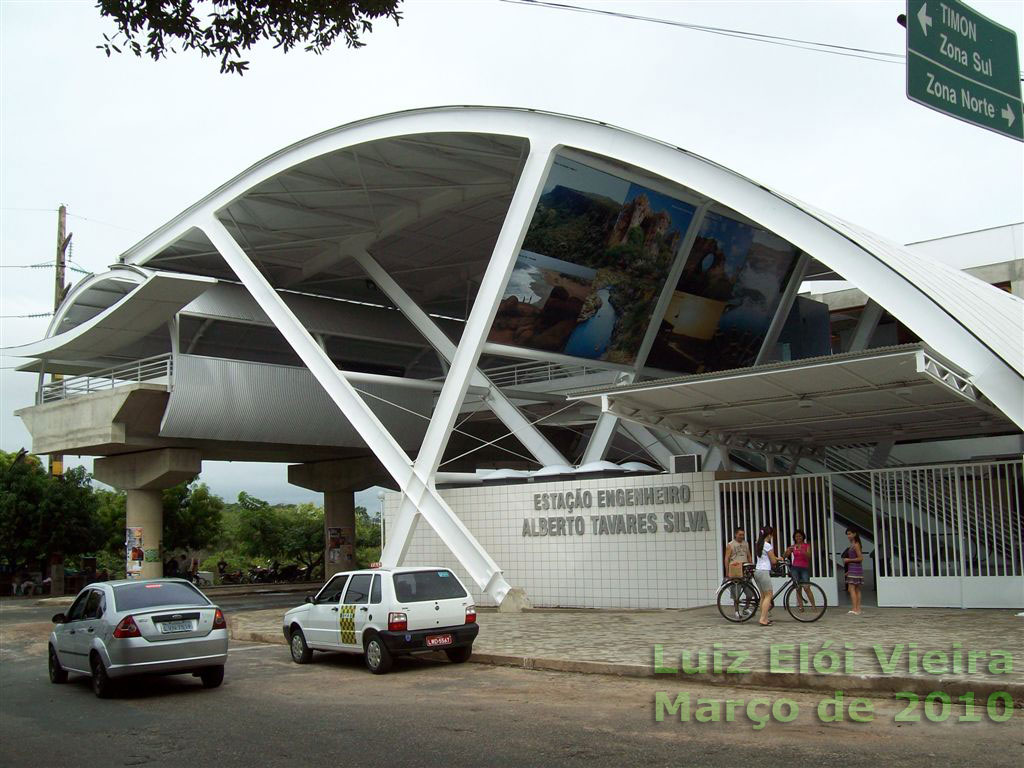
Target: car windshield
x=427 y=585
x=132 y=597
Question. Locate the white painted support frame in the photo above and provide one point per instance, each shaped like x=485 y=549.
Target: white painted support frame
x=519 y=426
x=416 y=485
x=607 y=423
x=463 y=365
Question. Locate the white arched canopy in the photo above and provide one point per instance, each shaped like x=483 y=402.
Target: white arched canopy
x=976 y=327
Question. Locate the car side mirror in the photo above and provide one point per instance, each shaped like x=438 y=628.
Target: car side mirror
x=310 y=599
x=59 y=618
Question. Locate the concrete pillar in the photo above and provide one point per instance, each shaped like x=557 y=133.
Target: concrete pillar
x=143 y=476
x=145 y=515
x=338 y=480
x=339 y=532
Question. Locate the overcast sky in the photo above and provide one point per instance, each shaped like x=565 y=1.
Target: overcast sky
x=128 y=143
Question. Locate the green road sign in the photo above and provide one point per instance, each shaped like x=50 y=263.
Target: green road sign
x=964 y=65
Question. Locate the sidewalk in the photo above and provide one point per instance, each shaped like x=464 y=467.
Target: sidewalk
x=623 y=643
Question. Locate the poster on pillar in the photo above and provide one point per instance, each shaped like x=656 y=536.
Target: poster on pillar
x=341 y=546
x=134 y=552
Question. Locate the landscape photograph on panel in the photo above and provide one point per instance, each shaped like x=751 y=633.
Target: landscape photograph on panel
x=592 y=266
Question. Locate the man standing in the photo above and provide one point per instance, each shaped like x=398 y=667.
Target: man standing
x=737 y=554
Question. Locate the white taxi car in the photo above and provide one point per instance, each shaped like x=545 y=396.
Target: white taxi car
x=383 y=613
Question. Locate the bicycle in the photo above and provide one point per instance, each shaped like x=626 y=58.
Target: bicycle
x=742 y=598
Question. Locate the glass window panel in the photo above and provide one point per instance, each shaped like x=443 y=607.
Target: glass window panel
x=727 y=294
x=593 y=264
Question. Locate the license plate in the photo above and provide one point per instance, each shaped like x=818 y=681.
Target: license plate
x=435 y=640
x=168 y=627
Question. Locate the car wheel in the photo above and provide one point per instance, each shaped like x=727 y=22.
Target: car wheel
x=212 y=676
x=57 y=673
x=102 y=685
x=378 y=657
x=459 y=655
x=301 y=653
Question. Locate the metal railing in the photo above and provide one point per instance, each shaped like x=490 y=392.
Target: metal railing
x=536 y=372
x=147 y=369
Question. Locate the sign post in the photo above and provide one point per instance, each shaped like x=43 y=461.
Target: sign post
x=964 y=65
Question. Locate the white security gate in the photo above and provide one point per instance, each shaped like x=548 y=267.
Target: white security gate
x=944 y=535
x=949 y=535
x=787 y=503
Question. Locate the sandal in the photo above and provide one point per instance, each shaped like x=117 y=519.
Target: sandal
x=766 y=624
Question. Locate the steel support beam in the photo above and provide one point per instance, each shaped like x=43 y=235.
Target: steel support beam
x=464 y=363
x=866 y=325
x=519 y=426
x=786 y=303
x=424 y=498
x=604 y=431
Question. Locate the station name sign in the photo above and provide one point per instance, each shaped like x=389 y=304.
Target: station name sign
x=571 y=502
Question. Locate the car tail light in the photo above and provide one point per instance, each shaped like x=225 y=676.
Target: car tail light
x=218 y=620
x=471 y=615
x=127 y=628
x=397 y=622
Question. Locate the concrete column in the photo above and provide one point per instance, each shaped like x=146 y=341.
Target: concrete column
x=338 y=480
x=143 y=476
x=145 y=514
x=339 y=532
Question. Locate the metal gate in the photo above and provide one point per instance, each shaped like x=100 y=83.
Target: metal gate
x=949 y=535
x=944 y=535
x=787 y=503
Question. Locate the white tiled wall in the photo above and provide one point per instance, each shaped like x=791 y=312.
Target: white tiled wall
x=652 y=570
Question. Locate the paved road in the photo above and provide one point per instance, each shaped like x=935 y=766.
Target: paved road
x=25 y=609
x=271 y=712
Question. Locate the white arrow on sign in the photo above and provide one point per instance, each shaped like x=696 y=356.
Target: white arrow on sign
x=924 y=18
x=1007 y=114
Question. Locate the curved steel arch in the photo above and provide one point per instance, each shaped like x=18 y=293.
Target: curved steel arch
x=981 y=332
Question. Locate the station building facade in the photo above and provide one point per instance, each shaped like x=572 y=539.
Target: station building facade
x=529 y=325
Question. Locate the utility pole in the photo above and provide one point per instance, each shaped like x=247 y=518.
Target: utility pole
x=56 y=459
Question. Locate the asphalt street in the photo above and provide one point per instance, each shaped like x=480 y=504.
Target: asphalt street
x=271 y=712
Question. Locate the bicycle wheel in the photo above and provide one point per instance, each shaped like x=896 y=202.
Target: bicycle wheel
x=811 y=609
x=737 y=601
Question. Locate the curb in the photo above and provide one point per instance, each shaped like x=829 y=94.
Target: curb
x=877 y=686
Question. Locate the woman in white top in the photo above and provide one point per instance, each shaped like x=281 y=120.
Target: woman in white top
x=764 y=554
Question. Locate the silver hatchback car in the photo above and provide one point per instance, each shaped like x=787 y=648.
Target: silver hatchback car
x=119 y=628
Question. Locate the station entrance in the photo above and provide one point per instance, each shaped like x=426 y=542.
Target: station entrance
x=933 y=536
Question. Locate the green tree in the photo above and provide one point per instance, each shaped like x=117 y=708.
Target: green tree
x=40 y=514
x=367 y=538
x=192 y=517
x=304 y=535
x=279 y=532
x=225 y=28
x=22 y=488
x=68 y=521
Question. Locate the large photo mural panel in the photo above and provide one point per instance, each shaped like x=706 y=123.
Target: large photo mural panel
x=592 y=266
x=726 y=297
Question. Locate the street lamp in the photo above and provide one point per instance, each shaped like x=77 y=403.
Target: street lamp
x=380 y=498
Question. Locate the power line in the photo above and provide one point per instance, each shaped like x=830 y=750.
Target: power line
x=23 y=317
x=77 y=268
x=885 y=57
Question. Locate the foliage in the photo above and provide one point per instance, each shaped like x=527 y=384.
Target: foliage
x=367 y=538
x=41 y=514
x=283 y=532
x=192 y=517
x=225 y=28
